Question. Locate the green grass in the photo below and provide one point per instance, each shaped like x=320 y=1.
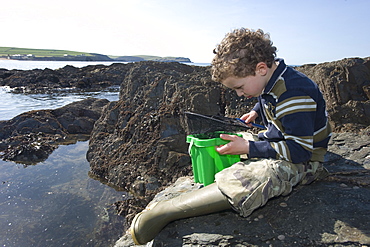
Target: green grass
x=5 y=51
x=147 y=57
x=44 y=53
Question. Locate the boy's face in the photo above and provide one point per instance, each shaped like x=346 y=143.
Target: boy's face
x=250 y=86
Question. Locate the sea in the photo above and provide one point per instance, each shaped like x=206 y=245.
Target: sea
x=55 y=202
x=12 y=105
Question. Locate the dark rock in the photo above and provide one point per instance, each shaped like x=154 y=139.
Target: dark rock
x=94 y=77
x=146 y=129
x=32 y=136
x=345 y=85
x=138 y=145
x=143 y=134
x=329 y=212
x=309 y=216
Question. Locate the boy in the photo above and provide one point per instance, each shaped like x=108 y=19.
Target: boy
x=289 y=152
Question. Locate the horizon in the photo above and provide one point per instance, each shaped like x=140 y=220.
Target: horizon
x=303 y=32
x=149 y=55
x=79 y=52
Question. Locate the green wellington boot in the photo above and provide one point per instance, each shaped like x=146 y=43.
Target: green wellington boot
x=147 y=224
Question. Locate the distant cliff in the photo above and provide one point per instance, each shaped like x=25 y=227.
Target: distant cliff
x=139 y=58
x=64 y=55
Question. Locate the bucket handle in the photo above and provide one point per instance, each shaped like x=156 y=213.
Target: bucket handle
x=190 y=146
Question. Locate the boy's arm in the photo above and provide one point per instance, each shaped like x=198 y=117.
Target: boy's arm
x=257 y=108
x=290 y=136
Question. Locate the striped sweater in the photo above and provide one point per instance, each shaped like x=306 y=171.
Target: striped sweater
x=294 y=112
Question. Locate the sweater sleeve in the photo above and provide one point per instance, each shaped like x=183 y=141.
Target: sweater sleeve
x=290 y=134
x=257 y=108
x=261 y=149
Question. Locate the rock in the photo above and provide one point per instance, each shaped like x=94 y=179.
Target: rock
x=32 y=136
x=324 y=213
x=314 y=217
x=346 y=88
x=143 y=134
x=152 y=98
x=138 y=145
x=94 y=77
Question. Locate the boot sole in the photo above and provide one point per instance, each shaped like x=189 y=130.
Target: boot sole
x=132 y=229
x=134 y=221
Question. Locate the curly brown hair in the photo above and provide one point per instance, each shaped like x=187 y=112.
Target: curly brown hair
x=239 y=53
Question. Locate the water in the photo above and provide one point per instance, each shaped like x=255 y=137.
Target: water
x=12 y=105
x=28 y=65
x=55 y=203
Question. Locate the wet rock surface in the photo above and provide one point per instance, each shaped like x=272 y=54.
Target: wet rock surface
x=138 y=144
x=93 y=77
x=32 y=136
x=146 y=129
x=333 y=211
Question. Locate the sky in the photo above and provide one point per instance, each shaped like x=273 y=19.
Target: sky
x=304 y=31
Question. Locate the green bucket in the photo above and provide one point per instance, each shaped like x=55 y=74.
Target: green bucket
x=206 y=161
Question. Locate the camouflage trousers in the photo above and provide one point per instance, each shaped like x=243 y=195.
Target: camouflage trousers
x=251 y=183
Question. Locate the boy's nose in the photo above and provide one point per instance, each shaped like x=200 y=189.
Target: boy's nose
x=239 y=93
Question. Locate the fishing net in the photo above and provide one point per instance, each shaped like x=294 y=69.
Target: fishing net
x=200 y=124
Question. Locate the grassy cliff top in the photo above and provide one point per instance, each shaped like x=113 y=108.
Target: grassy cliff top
x=5 y=51
x=49 y=53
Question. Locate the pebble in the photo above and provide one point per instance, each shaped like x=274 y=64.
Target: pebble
x=283 y=204
x=343 y=185
x=281 y=237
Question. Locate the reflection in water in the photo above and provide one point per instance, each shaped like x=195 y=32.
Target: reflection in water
x=55 y=203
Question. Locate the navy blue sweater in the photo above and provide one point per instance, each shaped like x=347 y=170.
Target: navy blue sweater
x=294 y=112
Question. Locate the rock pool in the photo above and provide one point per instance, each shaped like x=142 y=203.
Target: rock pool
x=56 y=203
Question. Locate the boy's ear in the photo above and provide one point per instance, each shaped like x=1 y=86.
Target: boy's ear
x=261 y=68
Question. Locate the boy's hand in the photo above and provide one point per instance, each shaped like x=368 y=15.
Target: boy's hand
x=250 y=117
x=237 y=145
